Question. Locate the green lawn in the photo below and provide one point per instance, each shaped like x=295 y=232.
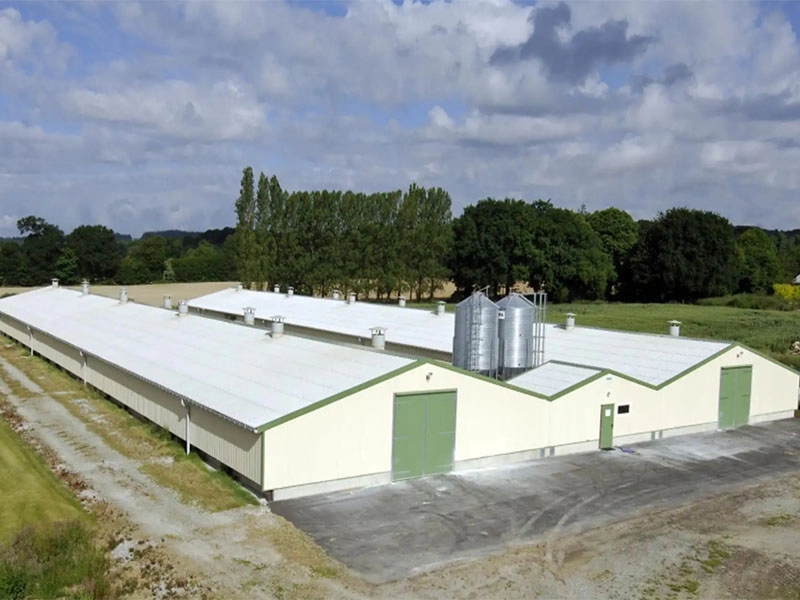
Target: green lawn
x=768 y=331
x=30 y=494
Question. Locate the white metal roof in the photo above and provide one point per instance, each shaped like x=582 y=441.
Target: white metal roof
x=552 y=378
x=236 y=371
x=404 y=325
x=653 y=359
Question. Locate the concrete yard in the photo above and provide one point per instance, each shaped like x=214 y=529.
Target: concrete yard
x=390 y=532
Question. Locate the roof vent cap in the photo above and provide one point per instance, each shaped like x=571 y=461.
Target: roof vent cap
x=276 y=326
x=54 y=282
x=290 y=291
x=351 y=298
x=378 y=337
x=167 y=301
x=249 y=315
x=337 y=294
x=401 y=301
x=674 y=328
x=183 y=308
x=84 y=288
x=570 y=324
x=276 y=288
x=440 y=307
x=123 y=295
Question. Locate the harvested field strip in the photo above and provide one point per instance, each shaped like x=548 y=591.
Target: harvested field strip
x=162 y=458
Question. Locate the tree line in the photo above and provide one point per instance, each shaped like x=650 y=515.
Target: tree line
x=407 y=242
x=98 y=254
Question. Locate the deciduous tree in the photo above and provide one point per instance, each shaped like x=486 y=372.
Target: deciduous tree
x=97 y=250
x=759 y=266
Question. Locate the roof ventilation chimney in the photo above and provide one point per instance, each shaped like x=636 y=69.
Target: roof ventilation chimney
x=337 y=294
x=123 y=295
x=183 y=308
x=239 y=287
x=570 y=321
x=249 y=315
x=378 y=337
x=167 y=301
x=290 y=291
x=276 y=288
x=351 y=298
x=276 y=329
x=84 y=288
x=54 y=283
x=440 y=307
x=674 y=328
x=401 y=301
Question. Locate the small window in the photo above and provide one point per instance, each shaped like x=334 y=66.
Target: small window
x=624 y=409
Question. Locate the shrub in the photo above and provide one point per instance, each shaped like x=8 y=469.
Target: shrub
x=787 y=291
x=751 y=301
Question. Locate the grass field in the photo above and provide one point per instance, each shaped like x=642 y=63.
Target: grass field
x=30 y=494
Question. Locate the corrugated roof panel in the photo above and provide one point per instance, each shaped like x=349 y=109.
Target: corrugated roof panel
x=552 y=378
x=653 y=359
x=405 y=326
x=236 y=371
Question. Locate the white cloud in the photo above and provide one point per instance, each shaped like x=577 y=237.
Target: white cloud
x=154 y=130
x=28 y=42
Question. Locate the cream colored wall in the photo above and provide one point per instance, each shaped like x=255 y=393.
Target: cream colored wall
x=228 y=443
x=353 y=436
x=14 y=329
x=347 y=438
x=64 y=355
x=157 y=405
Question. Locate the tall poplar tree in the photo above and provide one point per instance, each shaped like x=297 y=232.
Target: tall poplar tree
x=247 y=258
x=262 y=235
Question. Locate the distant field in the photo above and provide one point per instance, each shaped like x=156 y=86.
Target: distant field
x=29 y=492
x=768 y=331
x=149 y=294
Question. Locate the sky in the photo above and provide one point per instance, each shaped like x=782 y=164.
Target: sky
x=142 y=115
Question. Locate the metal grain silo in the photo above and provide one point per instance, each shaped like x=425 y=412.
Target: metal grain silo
x=515 y=333
x=475 y=340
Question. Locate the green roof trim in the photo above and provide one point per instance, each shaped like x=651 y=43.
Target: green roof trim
x=348 y=392
x=601 y=372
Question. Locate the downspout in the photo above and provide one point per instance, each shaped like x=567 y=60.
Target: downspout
x=263 y=461
x=30 y=338
x=188 y=424
x=83 y=366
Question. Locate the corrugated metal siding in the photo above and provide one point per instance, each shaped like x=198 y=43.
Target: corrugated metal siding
x=64 y=355
x=228 y=443
x=156 y=405
x=15 y=329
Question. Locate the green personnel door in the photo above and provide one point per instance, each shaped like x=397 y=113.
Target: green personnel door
x=734 y=396
x=607 y=426
x=424 y=434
